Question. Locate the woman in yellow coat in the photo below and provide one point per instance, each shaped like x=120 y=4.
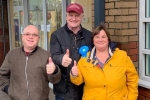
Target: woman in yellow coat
x=107 y=71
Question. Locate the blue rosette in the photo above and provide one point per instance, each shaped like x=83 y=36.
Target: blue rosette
x=83 y=50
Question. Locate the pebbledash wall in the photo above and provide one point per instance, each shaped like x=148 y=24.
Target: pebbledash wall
x=121 y=18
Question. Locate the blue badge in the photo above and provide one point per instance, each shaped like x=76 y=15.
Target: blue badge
x=83 y=50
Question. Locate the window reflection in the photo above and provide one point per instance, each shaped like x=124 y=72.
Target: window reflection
x=147 y=65
x=147 y=36
x=147 y=8
x=18 y=22
x=54 y=17
x=17 y=2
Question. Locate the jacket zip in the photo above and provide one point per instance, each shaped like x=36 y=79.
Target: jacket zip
x=75 y=40
x=27 y=78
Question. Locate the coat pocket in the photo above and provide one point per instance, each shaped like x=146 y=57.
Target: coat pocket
x=120 y=98
x=61 y=86
x=88 y=97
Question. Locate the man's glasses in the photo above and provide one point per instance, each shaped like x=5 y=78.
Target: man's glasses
x=29 y=34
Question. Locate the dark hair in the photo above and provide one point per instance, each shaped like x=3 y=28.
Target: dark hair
x=99 y=28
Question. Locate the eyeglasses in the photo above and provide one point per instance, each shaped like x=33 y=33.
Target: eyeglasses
x=29 y=34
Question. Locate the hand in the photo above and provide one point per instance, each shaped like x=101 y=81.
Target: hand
x=74 y=70
x=66 y=61
x=50 y=67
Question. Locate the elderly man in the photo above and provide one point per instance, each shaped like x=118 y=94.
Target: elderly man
x=27 y=70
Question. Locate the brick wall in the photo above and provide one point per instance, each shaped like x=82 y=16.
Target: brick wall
x=122 y=22
x=92 y=13
x=6 y=31
x=121 y=17
x=144 y=94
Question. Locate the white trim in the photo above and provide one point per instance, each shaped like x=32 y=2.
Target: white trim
x=144 y=84
x=145 y=51
x=146 y=20
x=144 y=80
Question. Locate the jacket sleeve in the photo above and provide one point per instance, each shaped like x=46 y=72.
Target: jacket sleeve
x=77 y=80
x=4 y=96
x=132 y=80
x=5 y=73
x=55 y=50
x=55 y=77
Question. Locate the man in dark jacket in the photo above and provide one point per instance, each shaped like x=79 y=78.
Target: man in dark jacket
x=27 y=70
x=64 y=48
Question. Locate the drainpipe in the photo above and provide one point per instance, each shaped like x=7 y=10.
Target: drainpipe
x=3 y=26
x=99 y=12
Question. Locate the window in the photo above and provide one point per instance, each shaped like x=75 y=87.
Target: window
x=47 y=15
x=144 y=43
x=15 y=22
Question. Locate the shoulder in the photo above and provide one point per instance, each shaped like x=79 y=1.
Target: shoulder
x=87 y=34
x=58 y=31
x=15 y=50
x=86 y=31
x=43 y=54
x=41 y=50
x=120 y=52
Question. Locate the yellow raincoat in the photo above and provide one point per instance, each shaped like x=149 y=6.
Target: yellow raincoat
x=116 y=80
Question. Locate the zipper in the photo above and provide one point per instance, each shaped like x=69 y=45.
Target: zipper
x=75 y=41
x=27 y=77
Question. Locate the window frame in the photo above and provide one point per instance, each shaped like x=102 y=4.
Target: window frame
x=144 y=80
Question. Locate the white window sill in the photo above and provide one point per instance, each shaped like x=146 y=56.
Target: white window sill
x=144 y=83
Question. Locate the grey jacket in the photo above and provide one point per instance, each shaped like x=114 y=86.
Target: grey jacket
x=4 y=96
x=26 y=75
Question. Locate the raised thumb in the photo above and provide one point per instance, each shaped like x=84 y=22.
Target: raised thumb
x=50 y=60
x=75 y=63
x=67 y=52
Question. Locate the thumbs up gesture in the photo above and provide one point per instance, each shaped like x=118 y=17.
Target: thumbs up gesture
x=66 y=61
x=74 y=70
x=50 y=67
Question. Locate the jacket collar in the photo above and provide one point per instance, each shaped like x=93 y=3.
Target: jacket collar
x=112 y=47
x=32 y=51
x=70 y=31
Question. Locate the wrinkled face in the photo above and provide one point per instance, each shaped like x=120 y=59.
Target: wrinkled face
x=74 y=19
x=101 y=40
x=30 y=38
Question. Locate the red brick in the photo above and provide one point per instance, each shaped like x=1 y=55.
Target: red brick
x=140 y=97
x=147 y=98
x=133 y=58
x=132 y=45
x=133 y=51
x=1 y=46
x=1 y=31
x=122 y=46
x=145 y=92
